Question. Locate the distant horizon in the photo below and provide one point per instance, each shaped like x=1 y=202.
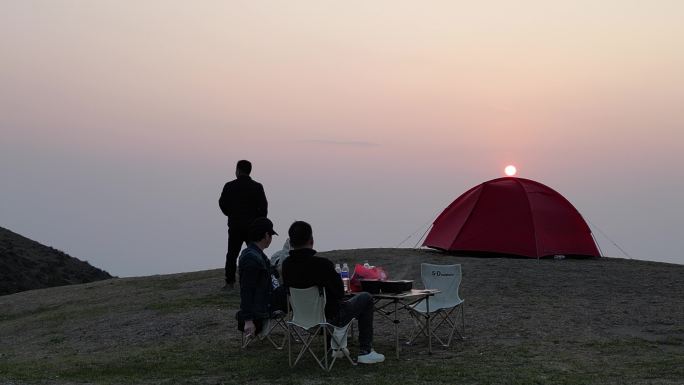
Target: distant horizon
x=120 y=122
x=274 y=247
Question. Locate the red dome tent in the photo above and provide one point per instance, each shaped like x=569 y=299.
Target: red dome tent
x=512 y=216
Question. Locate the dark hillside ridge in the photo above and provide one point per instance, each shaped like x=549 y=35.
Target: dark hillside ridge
x=27 y=265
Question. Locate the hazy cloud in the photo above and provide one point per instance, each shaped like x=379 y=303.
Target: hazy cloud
x=352 y=143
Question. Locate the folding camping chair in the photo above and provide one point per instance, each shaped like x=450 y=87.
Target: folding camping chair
x=276 y=321
x=443 y=306
x=308 y=322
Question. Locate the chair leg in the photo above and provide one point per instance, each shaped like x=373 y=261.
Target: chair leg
x=463 y=320
x=326 y=363
x=273 y=324
x=310 y=349
x=452 y=332
x=453 y=323
x=339 y=343
x=307 y=346
x=289 y=345
x=420 y=327
x=325 y=348
x=329 y=349
x=335 y=341
x=306 y=343
x=442 y=319
x=281 y=325
x=276 y=345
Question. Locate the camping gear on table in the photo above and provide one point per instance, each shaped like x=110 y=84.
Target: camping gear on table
x=512 y=216
x=366 y=272
x=375 y=286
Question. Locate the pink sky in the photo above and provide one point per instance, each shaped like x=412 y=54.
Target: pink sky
x=120 y=121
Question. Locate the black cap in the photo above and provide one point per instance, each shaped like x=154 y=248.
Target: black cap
x=262 y=225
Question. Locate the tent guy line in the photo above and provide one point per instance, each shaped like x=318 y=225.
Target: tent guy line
x=609 y=239
x=428 y=224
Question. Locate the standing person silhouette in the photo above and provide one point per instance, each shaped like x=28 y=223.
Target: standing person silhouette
x=242 y=200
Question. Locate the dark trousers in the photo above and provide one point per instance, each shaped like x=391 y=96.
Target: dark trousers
x=236 y=236
x=360 y=307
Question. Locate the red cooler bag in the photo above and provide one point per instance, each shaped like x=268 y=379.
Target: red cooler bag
x=362 y=272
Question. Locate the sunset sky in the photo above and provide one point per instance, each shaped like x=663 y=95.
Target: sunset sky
x=120 y=121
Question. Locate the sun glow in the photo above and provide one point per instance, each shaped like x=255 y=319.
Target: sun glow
x=510 y=170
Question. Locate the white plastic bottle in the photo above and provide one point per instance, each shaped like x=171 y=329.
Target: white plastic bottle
x=345 y=277
x=338 y=269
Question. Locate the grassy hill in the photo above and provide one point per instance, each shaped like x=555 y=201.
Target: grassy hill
x=27 y=264
x=605 y=321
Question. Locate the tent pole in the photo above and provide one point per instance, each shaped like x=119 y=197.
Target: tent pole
x=597 y=245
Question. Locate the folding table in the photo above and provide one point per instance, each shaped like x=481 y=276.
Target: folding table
x=403 y=301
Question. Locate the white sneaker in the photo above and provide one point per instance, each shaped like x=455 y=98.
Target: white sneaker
x=371 y=358
x=340 y=353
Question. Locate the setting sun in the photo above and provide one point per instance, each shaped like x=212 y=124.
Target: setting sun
x=510 y=170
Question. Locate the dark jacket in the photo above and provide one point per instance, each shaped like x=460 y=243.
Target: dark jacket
x=304 y=269
x=255 y=284
x=243 y=200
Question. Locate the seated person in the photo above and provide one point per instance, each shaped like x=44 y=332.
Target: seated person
x=260 y=294
x=304 y=269
x=279 y=256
